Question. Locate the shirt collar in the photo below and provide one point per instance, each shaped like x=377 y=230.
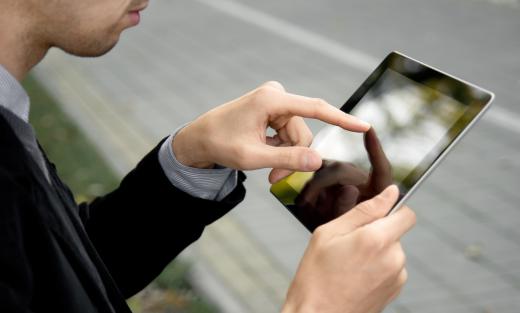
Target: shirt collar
x=12 y=95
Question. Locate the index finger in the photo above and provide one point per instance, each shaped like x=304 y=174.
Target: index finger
x=319 y=109
x=395 y=225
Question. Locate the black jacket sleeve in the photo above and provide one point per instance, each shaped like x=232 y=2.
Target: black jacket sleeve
x=142 y=225
x=16 y=282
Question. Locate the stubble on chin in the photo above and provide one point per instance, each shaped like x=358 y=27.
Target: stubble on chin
x=88 y=43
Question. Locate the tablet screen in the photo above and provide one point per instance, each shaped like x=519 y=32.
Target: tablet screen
x=416 y=113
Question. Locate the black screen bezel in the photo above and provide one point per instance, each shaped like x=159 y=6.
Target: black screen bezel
x=420 y=73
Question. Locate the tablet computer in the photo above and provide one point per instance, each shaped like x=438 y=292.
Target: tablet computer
x=417 y=113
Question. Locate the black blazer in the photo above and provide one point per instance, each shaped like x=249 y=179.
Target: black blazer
x=57 y=256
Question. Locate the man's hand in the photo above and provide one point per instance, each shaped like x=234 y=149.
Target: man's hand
x=234 y=134
x=355 y=263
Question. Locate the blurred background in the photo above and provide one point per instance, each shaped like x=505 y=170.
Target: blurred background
x=187 y=57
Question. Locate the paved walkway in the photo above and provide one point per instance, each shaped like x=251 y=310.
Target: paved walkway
x=189 y=56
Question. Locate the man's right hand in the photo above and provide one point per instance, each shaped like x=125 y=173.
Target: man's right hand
x=355 y=263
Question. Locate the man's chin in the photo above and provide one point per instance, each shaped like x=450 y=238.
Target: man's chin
x=95 y=49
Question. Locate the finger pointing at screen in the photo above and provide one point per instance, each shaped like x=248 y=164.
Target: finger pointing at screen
x=234 y=134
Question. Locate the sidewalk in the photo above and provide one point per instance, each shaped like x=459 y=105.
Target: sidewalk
x=187 y=58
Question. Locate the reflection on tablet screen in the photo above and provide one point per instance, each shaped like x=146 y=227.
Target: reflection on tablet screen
x=415 y=112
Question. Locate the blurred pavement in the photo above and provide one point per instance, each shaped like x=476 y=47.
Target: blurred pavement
x=189 y=56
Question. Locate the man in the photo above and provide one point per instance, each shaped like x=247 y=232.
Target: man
x=57 y=256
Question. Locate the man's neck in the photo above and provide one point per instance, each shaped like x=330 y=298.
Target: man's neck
x=19 y=51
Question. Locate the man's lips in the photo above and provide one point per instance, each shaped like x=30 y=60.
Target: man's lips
x=135 y=15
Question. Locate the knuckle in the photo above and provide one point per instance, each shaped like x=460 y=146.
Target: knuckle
x=319 y=104
x=407 y=216
x=398 y=259
x=264 y=92
x=393 y=263
x=320 y=233
x=371 y=239
x=412 y=216
x=403 y=278
x=274 y=84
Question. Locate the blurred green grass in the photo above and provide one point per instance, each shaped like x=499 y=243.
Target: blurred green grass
x=78 y=162
x=88 y=175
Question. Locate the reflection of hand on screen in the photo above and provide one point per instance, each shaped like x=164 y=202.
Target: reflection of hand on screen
x=338 y=186
x=381 y=172
x=330 y=193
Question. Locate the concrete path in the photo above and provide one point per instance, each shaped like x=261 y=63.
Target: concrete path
x=189 y=56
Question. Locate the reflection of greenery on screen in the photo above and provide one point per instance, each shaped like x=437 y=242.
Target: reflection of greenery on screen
x=288 y=188
x=414 y=124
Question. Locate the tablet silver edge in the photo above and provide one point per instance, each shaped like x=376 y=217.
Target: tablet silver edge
x=441 y=157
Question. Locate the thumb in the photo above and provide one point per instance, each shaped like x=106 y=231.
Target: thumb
x=368 y=211
x=294 y=158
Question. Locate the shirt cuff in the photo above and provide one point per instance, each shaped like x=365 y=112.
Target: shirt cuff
x=209 y=184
